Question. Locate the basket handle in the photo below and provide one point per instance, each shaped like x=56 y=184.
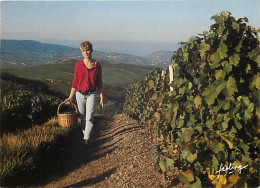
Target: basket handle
x=67 y=104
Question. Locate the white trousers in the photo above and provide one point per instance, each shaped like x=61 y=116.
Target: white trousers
x=86 y=106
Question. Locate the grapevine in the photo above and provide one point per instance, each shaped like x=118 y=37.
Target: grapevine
x=211 y=119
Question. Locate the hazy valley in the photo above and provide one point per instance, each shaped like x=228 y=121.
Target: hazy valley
x=21 y=53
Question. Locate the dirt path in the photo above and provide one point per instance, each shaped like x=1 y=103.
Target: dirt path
x=121 y=157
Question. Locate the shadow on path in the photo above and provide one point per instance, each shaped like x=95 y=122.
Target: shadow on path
x=72 y=153
x=63 y=156
x=94 y=180
x=68 y=154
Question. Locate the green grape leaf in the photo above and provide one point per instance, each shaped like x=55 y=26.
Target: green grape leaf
x=192 y=157
x=215 y=162
x=217 y=147
x=224 y=125
x=151 y=84
x=227 y=67
x=185 y=56
x=233 y=155
x=189 y=85
x=203 y=48
x=252 y=54
x=235 y=26
x=211 y=93
x=205 y=33
x=182 y=90
x=237 y=123
x=225 y=14
x=163 y=165
x=243 y=146
x=219 y=74
x=255 y=83
x=185 y=153
x=210 y=99
x=174 y=65
x=209 y=124
x=173 y=123
x=197 y=184
x=169 y=163
x=199 y=129
x=247 y=114
x=226 y=105
x=246 y=158
x=256 y=94
x=211 y=35
x=192 y=38
x=250 y=107
x=258 y=60
x=246 y=100
x=186 y=177
x=197 y=101
x=217 y=19
x=222 y=50
x=227 y=115
x=231 y=86
x=258 y=112
x=234 y=60
x=219 y=55
x=239 y=46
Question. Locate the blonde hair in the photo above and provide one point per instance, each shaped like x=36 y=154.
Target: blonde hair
x=86 y=45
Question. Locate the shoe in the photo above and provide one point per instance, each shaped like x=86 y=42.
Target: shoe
x=88 y=143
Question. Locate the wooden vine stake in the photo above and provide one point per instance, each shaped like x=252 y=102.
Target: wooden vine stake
x=171 y=76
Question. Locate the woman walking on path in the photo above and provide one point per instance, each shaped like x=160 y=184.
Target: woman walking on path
x=87 y=84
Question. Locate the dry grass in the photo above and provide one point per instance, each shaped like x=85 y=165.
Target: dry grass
x=17 y=149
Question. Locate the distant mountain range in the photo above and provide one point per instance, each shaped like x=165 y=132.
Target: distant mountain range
x=136 y=48
x=162 y=55
x=20 y=53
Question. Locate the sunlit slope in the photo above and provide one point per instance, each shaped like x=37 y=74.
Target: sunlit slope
x=62 y=72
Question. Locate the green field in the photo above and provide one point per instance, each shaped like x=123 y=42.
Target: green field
x=58 y=76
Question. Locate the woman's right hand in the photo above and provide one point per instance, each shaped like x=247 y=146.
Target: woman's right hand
x=72 y=93
x=68 y=101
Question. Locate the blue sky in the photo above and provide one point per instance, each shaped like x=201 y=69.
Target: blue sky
x=147 y=21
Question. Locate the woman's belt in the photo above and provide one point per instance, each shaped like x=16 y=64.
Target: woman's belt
x=86 y=92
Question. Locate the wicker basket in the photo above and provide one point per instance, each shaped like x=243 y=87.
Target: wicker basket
x=68 y=120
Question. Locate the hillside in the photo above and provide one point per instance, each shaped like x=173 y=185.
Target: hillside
x=62 y=72
x=22 y=53
x=16 y=53
x=161 y=58
x=161 y=55
x=55 y=80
